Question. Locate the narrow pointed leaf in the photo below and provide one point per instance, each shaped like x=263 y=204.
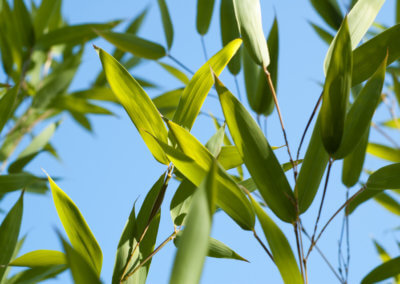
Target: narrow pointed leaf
x=36 y=274
x=392 y=123
x=322 y=33
x=381 y=251
x=9 y=231
x=248 y=17
x=384 y=271
x=193 y=245
x=43 y=16
x=79 y=105
x=137 y=104
x=387 y=177
x=178 y=74
x=336 y=90
x=257 y=156
x=7 y=105
x=167 y=24
x=79 y=233
x=384 y=152
x=167 y=103
x=229 y=157
x=329 y=10
x=39 y=258
x=230 y=31
x=13 y=182
x=279 y=245
x=134 y=44
x=388 y=202
x=201 y=83
x=360 y=199
x=24 y=23
x=214 y=145
x=204 y=14
x=181 y=202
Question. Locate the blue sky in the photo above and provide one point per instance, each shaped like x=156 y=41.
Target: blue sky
x=105 y=172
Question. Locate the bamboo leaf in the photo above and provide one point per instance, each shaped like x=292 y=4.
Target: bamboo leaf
x=36 y=274
x=79 y=105
x=384 y=271
x=392 y=123
x=43 y=16
x=229 y=157
x=336 y=90
x=13 y=182
x=40 y=258
x=257 y=156
x=387 y=177
x=24 y=23
x=358 y=119
x=78 y=231
x=322 y=33
x=388 y=202
x=137 y=104
x=214 y=145
x=204 y=14
x=9 y=231
x=382 y=252
x=7 y=102
x=181 y=201
x=201 y=83
x=329 y=10
x=279 y=245
x=384 y=152
x=230 y=31
x=193 y=246
x=368 y=56
x=178 y=74
x=167 y=103
x=248 y=17
x=360 y=199
x=134 y=44
x=167 y=24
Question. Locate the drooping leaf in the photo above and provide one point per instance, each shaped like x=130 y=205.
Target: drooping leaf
x=358 y=119
x=137 y=104
x=384 y=152
x=248 y=17
x=96 y=93
x=336 y=90
x=329 y=10
x=323 y=34
x=193 y=245
x=312 y=170
x=9 y=231
x=387 y=177
x=167 y=103
x=196 y=91
x=392 y=123
x=368 y=56
x=178 y=74
x=134 y=44
x=79 y=105
x=381 y=272
x=360 y=199
x=257 y=156
x=204 y=14
x=167 y=24
x=13 y=182
x=75 y=226
x=279 y=245
x=382 y=252
x=230 y=31
x=388 y=202
x=40 y=258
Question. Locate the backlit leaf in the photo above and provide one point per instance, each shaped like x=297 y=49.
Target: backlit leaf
x=388 y=202
x=167 y=103
x=384 y=152
x=178 y=74
x=167 y=24
x=40 y=258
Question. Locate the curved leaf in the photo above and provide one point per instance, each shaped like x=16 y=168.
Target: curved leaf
x=386 y=270
x=388 y=202
x=167 y=103
x=329 y=10
x=39 y=258
x=167 y=24
x=13 y=182
x=178 y=74
x=384 y=152
x=387 y=177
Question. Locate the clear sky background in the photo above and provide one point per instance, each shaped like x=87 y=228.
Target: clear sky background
x=105 y=172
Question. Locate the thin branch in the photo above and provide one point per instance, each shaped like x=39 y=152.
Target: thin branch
x=271 y=87
x=180 y=64
x=296 y=232
x=263 y=246
x=347 y=242
x=203 y=44
x=308 y=125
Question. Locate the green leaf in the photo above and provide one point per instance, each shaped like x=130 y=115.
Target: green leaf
x=75 y=226
x=322 y=33
x=384 y=271
x=82 y=271
x=178 y=74
x=360 y=199
x=279 y=245
x=353 y=163
x=181 y=201
x=329 y=11
x=392 y=123
x=7 y=102
x=336 y=90
x=201 y=83
x=72 y=35
x=388 y=202
x=368 y=56
x=79 y=105
x=13 y=182
x=96 y=93
x=396 y=86
x=193 y=245
x=24 y=23
x=387 y=177
x=359 y=19
x=134 y=44
x=358 y=119
x=248 y=16
x=137 y=104
x=229 y=157
x=40 y=258
x=312 y=170
x=167 y=24
x=36 y=274
x=214 y=145
x=9 y=231
x=167 y=103
x=194 y=161
x=382 y=252
x=230 y=31
x=384 y=152
x=258 y=156
x=43 y=16
x=37 y=144
x=216 y=249
x=204 y=14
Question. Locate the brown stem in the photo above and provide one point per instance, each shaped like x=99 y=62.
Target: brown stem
x=263 y=246
x=308 y=125
x=296 y=232
x=271 y=87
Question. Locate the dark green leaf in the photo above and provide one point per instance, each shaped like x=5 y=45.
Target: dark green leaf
x=204 y=14
x=24 y=23
x=167 y=24
x=386 y=270
x=323 y=34
x=360 y=199
x=387 y=177
x=7 y=102
x=36 y=275
x=329 y=10
x=13 y=182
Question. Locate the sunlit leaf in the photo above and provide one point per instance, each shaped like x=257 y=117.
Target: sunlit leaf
x=229 y=157
x=167 y=24
x=392 y=123
x=178 y=74
x=382 y=252
x=388 y=202
x=43 y=16
x=384 y=152
x=40 y=258
x=167 y=103
x=181 y=201
x=79 y=105
x=214 y=145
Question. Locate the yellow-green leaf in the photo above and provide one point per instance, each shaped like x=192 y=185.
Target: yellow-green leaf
x=167 y=102
x=39 y=258
x=384 y=152
x=137 y=104
x=178 y=74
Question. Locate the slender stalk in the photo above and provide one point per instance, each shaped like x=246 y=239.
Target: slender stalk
x=203 y=44
x=263 y=246
x=180 y=64
x=308 y=125
x=347 y=242
x=148 y=258
x=334 y=215
x=271 y=87
x=320 y=206
x=238 y=88
x=296 y=232
x=299 y=226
